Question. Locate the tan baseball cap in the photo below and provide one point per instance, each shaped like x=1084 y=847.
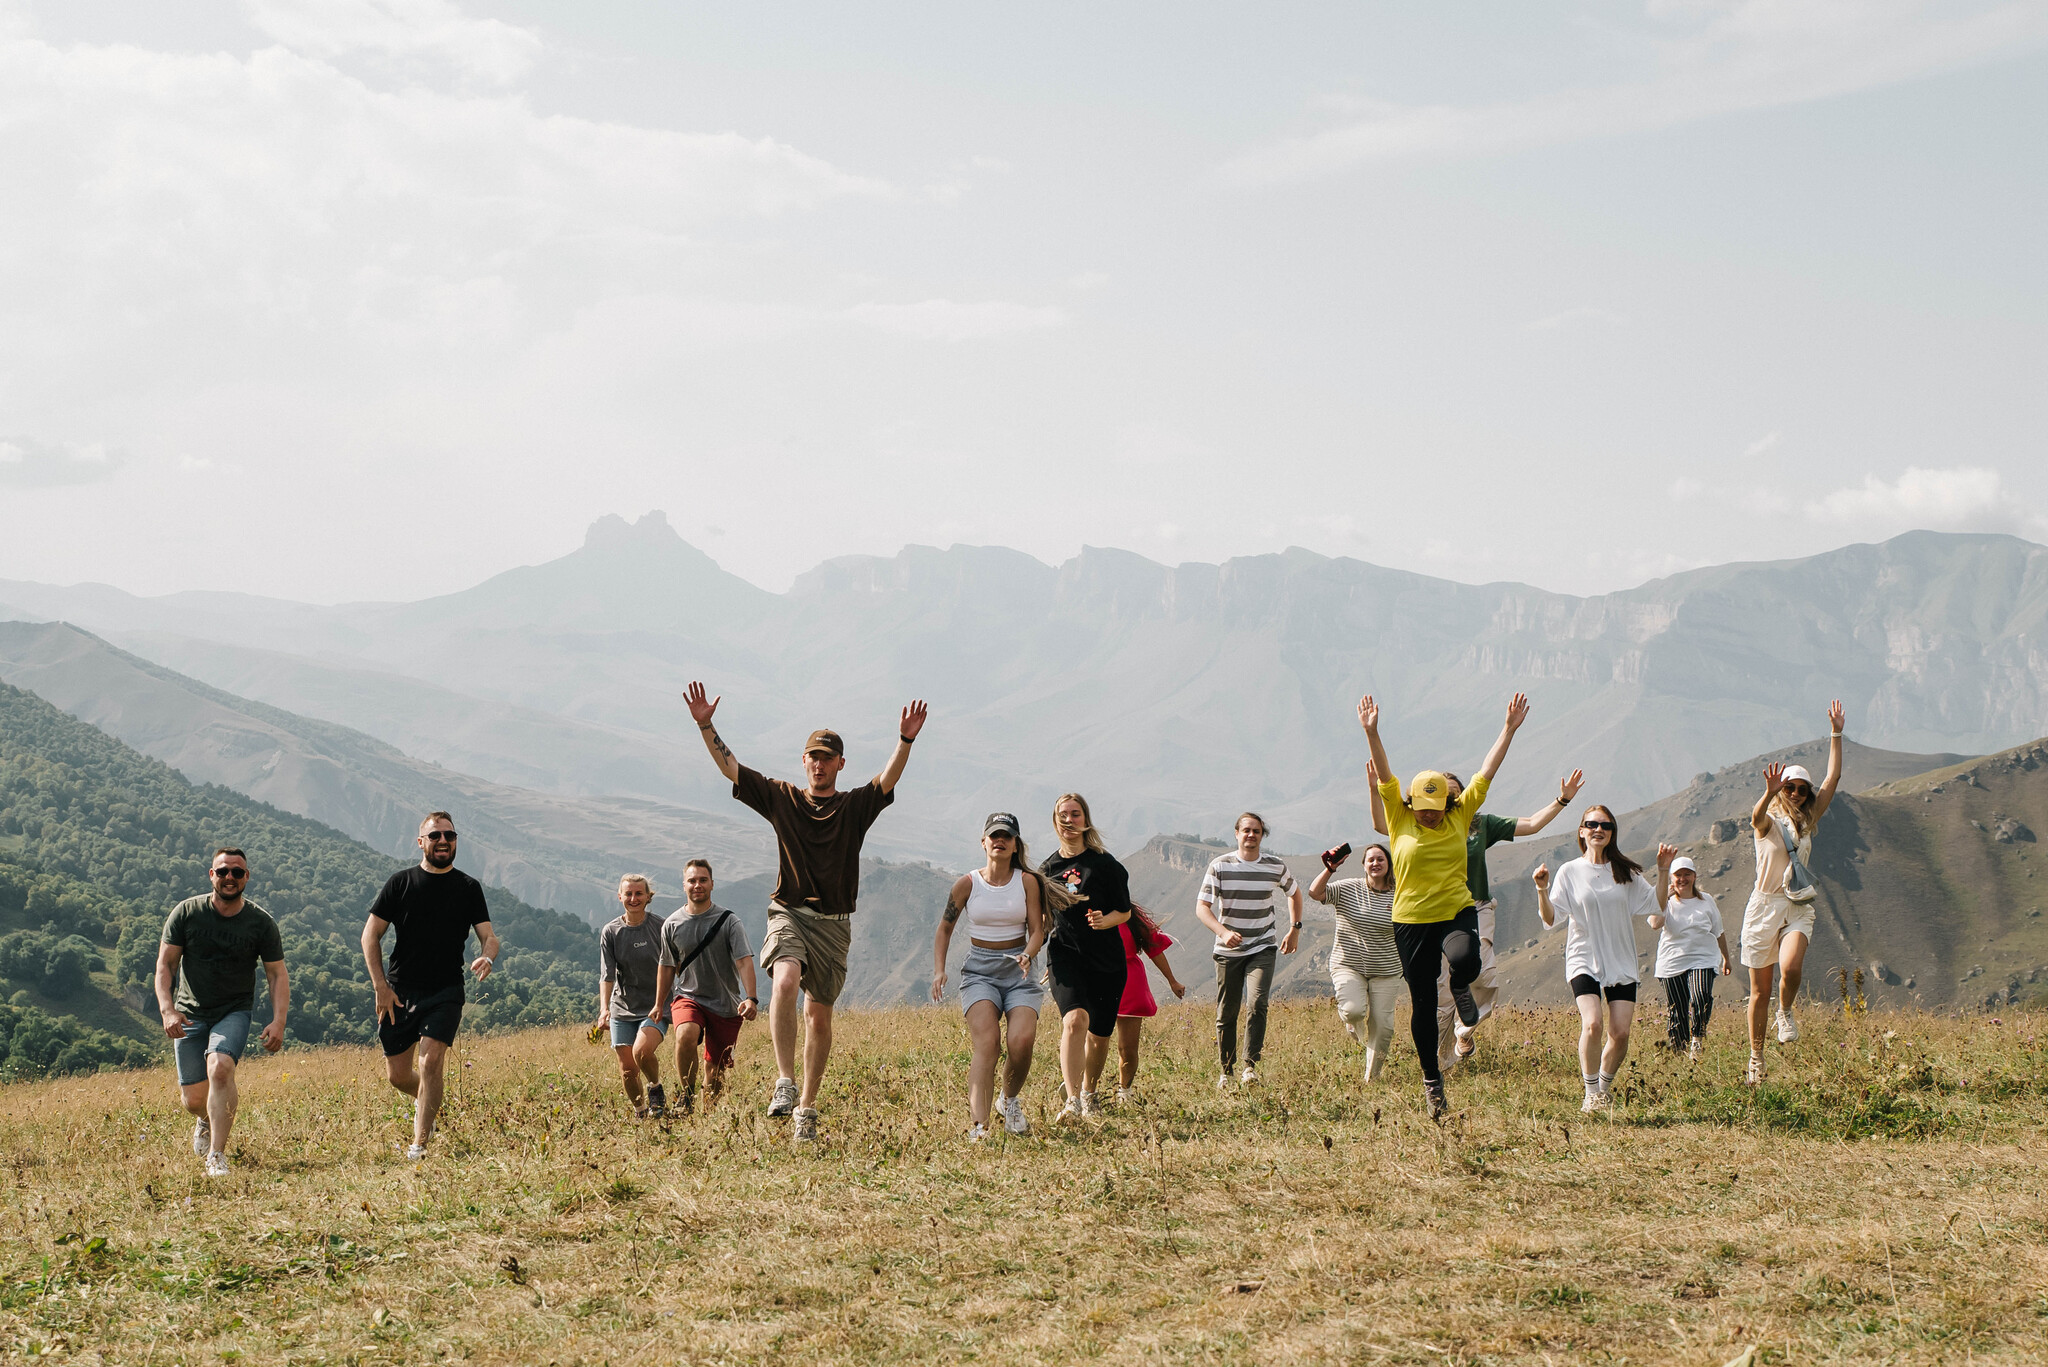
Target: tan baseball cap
x=827 y=741
x=1429 y=792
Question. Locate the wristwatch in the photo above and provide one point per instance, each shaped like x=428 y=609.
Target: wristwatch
x=1297 y=925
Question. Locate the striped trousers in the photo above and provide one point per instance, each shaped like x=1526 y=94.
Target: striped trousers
x=1691 y=998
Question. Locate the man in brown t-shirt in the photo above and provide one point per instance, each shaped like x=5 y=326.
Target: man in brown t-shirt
x=818 y=834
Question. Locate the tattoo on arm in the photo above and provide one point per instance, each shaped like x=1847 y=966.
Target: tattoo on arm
x=952 y=912
x=718 y=744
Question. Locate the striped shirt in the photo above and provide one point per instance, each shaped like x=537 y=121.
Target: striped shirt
x=1365 y=929
x=1246 y=897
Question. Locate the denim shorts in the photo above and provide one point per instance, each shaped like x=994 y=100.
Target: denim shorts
x=626 y=1029
x=228 y=1035
x=992 y=975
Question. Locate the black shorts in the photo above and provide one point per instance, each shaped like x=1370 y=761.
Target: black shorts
x=1586 y=985
x=435 y=1016
x=1079 y=984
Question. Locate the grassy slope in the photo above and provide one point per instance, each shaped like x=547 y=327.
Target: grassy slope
x=1879 y=1201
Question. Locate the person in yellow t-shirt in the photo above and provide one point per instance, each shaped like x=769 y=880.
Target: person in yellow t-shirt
x=1434 y=916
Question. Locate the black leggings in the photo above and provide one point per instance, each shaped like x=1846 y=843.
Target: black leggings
x=1422 y=948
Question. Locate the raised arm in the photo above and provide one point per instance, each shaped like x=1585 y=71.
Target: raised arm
x=1826 y=793
x=1379 y=808
x=1369 y=718
x=701 y=708
x=1319 y=887
x=1518 y=712
x=907 y=728
x=1760 y=815
x=1567 y=789
x=942 y=938
x=1665 y=854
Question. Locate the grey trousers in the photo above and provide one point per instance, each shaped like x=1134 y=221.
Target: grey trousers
x=1233 y=977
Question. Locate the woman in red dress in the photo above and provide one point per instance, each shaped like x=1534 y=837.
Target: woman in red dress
x=1137 y=1002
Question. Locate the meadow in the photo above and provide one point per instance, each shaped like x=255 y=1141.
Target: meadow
x=1880 y=1199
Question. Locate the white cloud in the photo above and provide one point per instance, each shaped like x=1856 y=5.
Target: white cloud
x=402 y=33
x=1762 y=446
x=1954 y=498
x=1699 y=59
x=947 y=320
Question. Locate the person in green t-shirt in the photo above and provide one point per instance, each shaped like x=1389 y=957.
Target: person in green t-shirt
x=206 y=993
x=1488 y=830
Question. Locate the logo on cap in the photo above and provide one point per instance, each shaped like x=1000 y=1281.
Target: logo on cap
x=1000 y=821
x=828 y=741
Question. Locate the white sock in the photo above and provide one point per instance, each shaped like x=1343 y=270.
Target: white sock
x=1606 y=1081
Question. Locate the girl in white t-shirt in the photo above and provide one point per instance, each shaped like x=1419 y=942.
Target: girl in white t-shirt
x=1600 y=894
x=1693 y=944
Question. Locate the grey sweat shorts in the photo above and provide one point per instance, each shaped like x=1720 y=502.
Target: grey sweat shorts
x=992 y=975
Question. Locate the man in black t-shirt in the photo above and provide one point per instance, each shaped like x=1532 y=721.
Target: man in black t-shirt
x=433 y=905
x=818 y=833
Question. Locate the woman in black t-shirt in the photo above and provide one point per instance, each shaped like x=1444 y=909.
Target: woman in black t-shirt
x=1086 y=956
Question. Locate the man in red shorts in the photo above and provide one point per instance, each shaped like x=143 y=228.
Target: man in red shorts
x=706 y=974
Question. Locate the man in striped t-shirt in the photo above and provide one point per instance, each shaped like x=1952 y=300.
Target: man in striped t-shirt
x=1239 y=899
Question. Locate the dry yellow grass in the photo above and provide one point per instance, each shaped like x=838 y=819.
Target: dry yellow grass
x=1881 y=1201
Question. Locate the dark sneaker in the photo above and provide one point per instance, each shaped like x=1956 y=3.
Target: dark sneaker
x=784 y=1100
x=688 y=1106
x=1439 y=1104
x=1468 y=1010
x=657 y=1101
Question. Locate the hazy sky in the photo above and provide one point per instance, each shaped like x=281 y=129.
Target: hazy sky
x=373 y=298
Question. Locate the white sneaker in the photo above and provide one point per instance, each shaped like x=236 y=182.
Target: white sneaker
x=1753 y=1076
x=216 y=1165
x=1788 y=1028
x=1466 y=1046
x=202 y=1136
x=1249 y=1075
x=415 y=1152
x=1011 y=1109
x=805 y=1129
x=1223 y=1083
x=1126 y=1096
x=1692 y=1050
x=976 y=1133
x=1090 y=1105
x=1592 y=1102
x=1070 y=1114
x=784 y=1100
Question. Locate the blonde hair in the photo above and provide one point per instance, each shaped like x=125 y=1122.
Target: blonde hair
x=1090 y=837
x=642 y=879
x=1800 y=814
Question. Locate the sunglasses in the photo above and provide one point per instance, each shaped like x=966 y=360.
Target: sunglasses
x=436 y=837
x=230 y=873
x=1597 y=825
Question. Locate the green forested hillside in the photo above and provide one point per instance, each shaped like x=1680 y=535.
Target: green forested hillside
x=98 y=841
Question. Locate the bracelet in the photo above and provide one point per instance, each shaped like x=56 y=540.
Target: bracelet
x=755 y=1000
x=905 y=739
x=1834 y=735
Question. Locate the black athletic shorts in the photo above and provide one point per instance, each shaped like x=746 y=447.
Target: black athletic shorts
x=1586 y=985
x=435 y=1016
x=1078 y=984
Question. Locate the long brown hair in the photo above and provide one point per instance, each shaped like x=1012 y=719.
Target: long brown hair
x=1623 y=867
x=1091 y=837
x=1144 y=930
x=1800 y=814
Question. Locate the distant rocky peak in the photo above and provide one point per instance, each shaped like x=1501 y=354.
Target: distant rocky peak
x=612 y=531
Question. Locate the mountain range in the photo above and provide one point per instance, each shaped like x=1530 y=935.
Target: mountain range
x=1173 y=696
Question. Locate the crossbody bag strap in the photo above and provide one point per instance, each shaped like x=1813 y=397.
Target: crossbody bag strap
x=705 y=943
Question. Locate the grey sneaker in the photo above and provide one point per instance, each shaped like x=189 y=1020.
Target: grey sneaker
x=657 y=1100
x=1468 y=1010
x=805 y=1131
x=202 y=1136
x=784 y=1100
x=1439 y=1104
x=1090 y=1105
x=1011 y=1109
x=216 y=1165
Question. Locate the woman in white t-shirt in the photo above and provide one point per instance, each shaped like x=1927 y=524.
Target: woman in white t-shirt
x=1600 y=894
x=1691 y=946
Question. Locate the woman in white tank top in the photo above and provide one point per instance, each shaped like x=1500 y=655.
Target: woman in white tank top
x=1004 y=903
x=1775 y=926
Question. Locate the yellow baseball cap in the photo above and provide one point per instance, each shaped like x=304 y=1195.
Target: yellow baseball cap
x=1429 y=792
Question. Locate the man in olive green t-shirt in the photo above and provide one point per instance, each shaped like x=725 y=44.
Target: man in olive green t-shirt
x=206 y=993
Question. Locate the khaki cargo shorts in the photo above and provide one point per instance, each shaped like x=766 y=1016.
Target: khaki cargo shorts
x=818 y=943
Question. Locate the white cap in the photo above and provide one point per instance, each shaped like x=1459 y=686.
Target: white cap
x=1796 y=773
x=1684 y=862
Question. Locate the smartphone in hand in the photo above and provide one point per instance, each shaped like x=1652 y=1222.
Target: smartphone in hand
x=1333 y=858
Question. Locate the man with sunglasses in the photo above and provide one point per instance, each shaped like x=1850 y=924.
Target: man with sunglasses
x=433 y=905
x=818 y=834
x=206 y=994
